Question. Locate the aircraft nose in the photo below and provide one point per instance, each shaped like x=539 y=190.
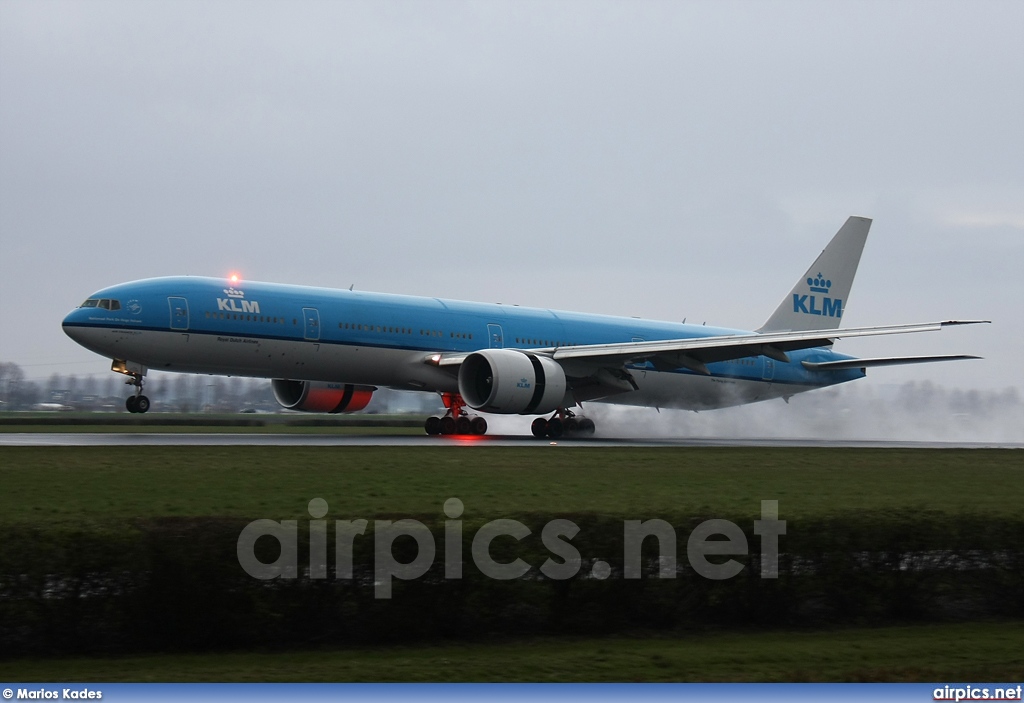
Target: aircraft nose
x=68 y=324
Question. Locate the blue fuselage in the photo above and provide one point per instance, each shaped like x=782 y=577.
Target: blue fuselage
x=214 y=326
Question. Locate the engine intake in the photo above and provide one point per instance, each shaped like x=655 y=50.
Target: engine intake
x=509 y=381
x=320 y=397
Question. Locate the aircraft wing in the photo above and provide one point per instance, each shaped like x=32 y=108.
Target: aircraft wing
x=695 y=352
x=881 y=361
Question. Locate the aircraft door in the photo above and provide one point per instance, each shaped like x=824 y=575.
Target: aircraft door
x=311 y=324
x=179 y=313
x=769 y=369
x=495 y=337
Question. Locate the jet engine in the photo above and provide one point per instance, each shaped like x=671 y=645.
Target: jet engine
x=319 y=397
x=509 y=381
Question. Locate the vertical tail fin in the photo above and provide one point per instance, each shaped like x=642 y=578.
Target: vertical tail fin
x=818 y=299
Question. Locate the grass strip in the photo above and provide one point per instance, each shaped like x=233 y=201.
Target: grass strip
x=52 y=486
x=947 y=652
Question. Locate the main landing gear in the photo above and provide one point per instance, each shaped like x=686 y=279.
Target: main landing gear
x=564 y=423
x=137 y=403
x=456 y=420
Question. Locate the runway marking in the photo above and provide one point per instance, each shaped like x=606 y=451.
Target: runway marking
x=110 y=439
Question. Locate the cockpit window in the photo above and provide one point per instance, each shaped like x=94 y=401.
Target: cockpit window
x=105 y=304
x=90 y=303
x=115 y=304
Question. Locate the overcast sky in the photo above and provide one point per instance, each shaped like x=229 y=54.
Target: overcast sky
x=669 y=160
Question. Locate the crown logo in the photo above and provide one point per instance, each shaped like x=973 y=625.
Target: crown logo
x=818 y=284
x=234 y=293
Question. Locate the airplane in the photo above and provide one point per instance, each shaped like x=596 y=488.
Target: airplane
x=328 y=350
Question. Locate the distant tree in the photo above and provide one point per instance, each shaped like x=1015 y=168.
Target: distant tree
x=71 y=385
x=55 y=383
x=88 y=386
x=112 y=386
x=29 y=393
x=183 y=394
x=214 y=392
x=11 y=379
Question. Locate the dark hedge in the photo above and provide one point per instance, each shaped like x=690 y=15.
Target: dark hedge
x=176 y=585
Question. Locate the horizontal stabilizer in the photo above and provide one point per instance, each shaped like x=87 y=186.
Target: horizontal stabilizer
x=881 y=361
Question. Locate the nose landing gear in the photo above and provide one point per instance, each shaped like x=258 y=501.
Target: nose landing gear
x=137 y=403
x=456 y=421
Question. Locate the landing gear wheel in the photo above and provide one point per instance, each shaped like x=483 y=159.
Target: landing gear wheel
x=457 y=420
x=556 y=428
x=479 y=425
x=137 y=403
x=564 y=423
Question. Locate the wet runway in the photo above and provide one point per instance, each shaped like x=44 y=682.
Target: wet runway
x=140 y=439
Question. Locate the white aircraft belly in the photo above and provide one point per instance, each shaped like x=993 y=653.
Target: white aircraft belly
x=189 y=352
x=699 y=392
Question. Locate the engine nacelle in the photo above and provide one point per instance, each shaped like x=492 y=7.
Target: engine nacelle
x=509 y=381
x=319 y=397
